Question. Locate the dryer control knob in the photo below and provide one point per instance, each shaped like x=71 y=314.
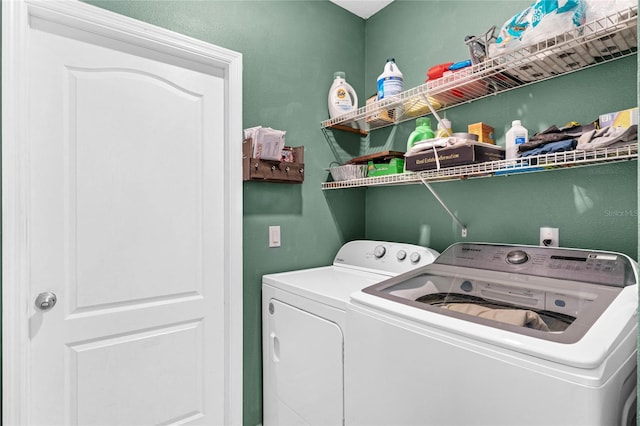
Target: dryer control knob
x=379 y=251
x=517 y=257
x=402 y=255
x=415 y=257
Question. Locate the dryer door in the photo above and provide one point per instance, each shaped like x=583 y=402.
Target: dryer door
x=305 y=356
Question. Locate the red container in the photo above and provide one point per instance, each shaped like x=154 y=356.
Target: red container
x=437 y=70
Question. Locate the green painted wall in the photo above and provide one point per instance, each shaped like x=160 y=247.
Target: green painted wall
x=290 y=51
x=593 y=207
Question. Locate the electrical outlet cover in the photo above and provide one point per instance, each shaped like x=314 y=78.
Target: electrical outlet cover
x=549 y=237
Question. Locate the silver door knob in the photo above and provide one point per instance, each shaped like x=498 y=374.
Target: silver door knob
x=45 y=301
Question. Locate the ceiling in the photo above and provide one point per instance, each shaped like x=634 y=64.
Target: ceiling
x=362 y=8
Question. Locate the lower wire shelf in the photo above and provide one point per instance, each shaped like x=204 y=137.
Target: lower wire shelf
x=536 y=163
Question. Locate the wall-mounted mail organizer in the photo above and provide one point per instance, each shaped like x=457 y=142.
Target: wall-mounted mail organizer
x=289 y=170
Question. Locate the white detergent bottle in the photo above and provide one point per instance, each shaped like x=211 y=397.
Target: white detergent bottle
x=444 y=129
x=516 y=135
x=342 y=97
x=390 y=82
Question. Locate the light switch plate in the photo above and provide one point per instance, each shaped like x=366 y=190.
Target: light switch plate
x=274 y=236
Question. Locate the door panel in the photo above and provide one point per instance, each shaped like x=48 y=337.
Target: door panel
x=123 y=170
x=120 y=379
x=306 y=359
x=126 y=214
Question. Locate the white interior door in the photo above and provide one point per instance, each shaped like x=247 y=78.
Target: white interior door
x=126 y=217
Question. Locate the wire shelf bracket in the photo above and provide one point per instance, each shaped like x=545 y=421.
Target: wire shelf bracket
x=463 y=228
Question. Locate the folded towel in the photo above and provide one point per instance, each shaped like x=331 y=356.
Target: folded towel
x=555 y=134
x=551 y=147
x=428 y=144
x=520 y=317
x=608 y=137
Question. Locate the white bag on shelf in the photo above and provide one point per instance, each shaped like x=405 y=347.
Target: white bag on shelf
x=607 y=14
x=543 y=20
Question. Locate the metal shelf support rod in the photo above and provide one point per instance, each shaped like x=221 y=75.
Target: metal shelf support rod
x=433 y=111
x=453 y=216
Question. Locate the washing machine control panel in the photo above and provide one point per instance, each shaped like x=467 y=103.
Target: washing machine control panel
x=388 y=257
x=598 y=267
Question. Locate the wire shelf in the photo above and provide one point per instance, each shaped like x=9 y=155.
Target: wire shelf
x=596 y=42
x=496 y=168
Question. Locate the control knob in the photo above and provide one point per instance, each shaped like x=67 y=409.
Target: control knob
x=379 y=251
x=415 y=257
x=402 y=255
x=517 y=257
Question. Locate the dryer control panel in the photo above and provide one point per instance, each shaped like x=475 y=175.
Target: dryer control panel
x=384 y=257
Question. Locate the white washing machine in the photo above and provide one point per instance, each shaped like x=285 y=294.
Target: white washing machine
x=303 y=332
x=496 y=335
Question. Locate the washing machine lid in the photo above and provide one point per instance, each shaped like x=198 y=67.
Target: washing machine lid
x=331 y=285
x=552 y=294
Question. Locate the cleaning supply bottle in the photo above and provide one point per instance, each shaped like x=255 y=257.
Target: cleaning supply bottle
x=516 y=135
x=422 y=132
x=444 y=129
x=390 y=82
x=342 y=97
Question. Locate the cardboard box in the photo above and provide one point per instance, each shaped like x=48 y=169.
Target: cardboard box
x=623 y=118
x=455 y=156
x=484 y=132
x=395 y=165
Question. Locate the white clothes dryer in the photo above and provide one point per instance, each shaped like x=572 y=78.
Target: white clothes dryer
x=494 y=334
x=303 y=331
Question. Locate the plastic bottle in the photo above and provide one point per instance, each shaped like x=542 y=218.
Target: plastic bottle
x=444 y=129
x=516 y=135
x=390 y=82
x=422 y=132
x=342 y=98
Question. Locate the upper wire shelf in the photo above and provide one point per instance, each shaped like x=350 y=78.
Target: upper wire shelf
x=596 y=42
x=492 y=168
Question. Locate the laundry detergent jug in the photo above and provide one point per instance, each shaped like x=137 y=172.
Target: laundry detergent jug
x=422 y=132
x=390 y=82
x=342 y=97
